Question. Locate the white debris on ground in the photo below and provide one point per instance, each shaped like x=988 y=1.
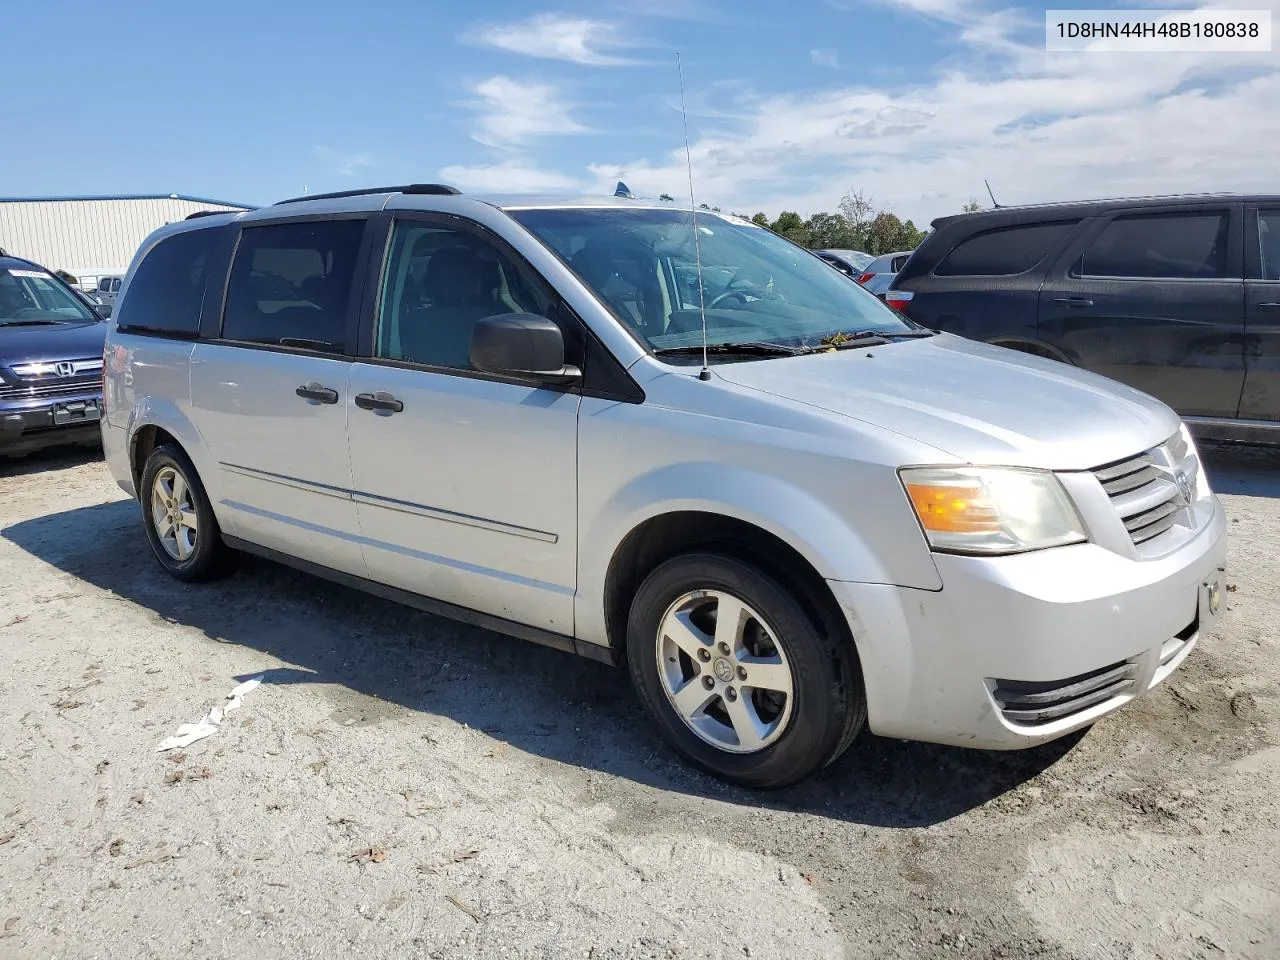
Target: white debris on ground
x=189 y=733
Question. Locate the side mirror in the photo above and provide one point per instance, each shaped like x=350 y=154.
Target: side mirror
x=103 y=310
x=521 y=345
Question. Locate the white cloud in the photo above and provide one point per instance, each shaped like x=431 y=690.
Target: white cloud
x=509 y=176
x=825 y=58
x=558 y=36
x=1040 y=126
x=511 y=112
x=344 y=163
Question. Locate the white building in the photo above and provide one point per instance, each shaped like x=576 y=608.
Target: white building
x=91 y=237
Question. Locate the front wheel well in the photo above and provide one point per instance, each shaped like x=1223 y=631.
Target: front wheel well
x=661 y=538
x=146 y=439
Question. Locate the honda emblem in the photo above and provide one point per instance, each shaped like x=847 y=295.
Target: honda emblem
x=64 y=369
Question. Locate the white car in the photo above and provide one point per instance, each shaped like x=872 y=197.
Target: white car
x=498 y=410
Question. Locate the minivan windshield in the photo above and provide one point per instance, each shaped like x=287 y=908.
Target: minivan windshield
x=30 y=296
x=763 y=294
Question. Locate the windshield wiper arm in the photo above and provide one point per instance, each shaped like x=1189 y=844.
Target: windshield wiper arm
x=866 y=338
x=326 y=346
x=749 y=347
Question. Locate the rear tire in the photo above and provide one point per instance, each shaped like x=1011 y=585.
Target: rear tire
x=763 y=700
x=179 y=520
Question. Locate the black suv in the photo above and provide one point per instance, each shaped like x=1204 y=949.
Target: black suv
x=50 y=361
x=1177 y=296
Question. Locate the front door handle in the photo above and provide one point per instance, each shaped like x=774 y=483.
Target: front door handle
x=1074 y=301
x=318 y=392
x=380 y=401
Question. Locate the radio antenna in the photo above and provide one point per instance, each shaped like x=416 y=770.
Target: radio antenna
x=994 y=204
x=705 y=372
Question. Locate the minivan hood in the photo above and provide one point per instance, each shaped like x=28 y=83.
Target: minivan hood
x=979 y=403
x=62 y=341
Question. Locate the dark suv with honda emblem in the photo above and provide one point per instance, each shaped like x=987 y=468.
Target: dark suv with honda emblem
x=50 y=361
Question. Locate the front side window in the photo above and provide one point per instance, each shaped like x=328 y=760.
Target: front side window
x=1176 y=246
x=757 y=287
x=29 y=296
x=290 y=284
x=1269 y=244
x=438 y=283
x=167 y=291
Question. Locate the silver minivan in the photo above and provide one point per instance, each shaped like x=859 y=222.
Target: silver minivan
x=668 y=440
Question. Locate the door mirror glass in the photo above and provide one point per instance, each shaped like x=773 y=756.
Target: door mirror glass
x=521 y=345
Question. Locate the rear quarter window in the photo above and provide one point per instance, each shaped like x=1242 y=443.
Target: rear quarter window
x=1004 y=251
x=168 y=288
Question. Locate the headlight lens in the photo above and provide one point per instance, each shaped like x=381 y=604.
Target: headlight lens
x=991 y=509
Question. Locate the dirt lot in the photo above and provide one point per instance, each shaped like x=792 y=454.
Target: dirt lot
x=401 y=786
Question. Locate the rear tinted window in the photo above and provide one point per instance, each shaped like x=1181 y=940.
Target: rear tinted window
x=1269 y=243
x=1003 y=252
x=1168 y=245
x=167 y=291
x=291 y=282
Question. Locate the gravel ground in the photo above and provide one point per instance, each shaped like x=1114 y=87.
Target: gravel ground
x=402 y=786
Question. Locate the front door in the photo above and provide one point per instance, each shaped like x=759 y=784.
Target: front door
x=270 y=394
x=465 y=484
x=1261 y=397
x=1155 y=299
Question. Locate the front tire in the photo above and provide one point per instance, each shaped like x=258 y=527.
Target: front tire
x=738 y=675
x=177 y=514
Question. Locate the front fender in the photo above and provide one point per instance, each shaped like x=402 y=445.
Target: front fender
x=824 y=537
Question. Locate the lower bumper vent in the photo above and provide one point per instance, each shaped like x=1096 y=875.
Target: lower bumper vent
x=1032 y=703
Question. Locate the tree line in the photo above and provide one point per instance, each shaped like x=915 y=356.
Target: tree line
x=857 y=225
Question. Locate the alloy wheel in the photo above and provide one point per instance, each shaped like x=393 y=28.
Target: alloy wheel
x=173 y=514
x=724 y=671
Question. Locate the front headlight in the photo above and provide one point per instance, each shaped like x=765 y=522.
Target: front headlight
x=991 y=509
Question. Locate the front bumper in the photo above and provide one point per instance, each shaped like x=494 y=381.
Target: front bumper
x=1019 y=650
x=66 y=420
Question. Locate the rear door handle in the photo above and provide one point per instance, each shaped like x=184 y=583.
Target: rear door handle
x=378 y=401
x=1074 y=301
x=1269 y=305
x=318 y=392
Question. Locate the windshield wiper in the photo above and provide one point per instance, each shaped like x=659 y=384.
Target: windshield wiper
x=323 y=346
x=29 y=323
x=866 y=338
x=757 y=348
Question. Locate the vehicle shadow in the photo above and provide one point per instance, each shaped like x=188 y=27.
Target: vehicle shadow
x=49 y=459
x=538 y=700
x=1251 y=471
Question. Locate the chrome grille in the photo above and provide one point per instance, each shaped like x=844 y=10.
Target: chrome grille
x=1143 y=489
x=57 y=388
x=1035 y=703
x=30 y=381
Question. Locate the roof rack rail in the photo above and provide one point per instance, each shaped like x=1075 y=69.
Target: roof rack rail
x=437 y=189
x=205 y=213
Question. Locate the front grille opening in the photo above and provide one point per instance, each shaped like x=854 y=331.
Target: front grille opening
x=1034 y=703
x=36 y=391
x=1144 y=493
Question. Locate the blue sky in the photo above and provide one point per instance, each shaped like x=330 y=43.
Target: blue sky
x=790 y=104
